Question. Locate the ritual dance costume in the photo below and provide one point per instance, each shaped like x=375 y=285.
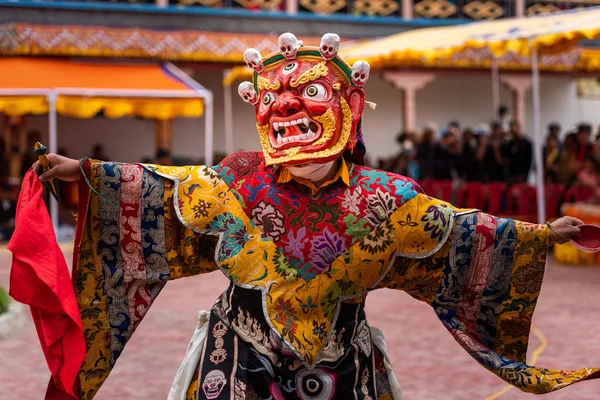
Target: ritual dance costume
x=300 y=259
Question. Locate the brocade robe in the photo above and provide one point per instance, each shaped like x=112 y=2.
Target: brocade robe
x=292 y=324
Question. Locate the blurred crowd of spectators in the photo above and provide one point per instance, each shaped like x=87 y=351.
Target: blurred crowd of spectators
x=497 y=152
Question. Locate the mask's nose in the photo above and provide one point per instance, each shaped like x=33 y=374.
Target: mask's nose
x=286 y=105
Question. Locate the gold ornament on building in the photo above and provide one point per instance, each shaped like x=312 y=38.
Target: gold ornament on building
x=376 y=7
x=483 y=10
x=270 y=5
x=588 y=88
x=205 y=3
x=435 y=8
x=541 y=9
x=323 y=6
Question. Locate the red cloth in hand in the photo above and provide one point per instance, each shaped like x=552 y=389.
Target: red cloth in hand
x=40 y=278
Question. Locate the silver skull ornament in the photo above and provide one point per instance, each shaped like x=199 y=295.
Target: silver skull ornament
x=330 y=45
x=253 y=60
x=247 y=93
x=213 y=384
x=360 y=73
x=289 y=45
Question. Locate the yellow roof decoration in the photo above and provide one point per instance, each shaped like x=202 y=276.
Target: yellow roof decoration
x=579 y=59
x=548 y=33
x=86 y=88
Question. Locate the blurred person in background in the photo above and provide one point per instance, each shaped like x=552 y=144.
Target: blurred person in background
x=470 y=168
x=426 y=151
x=551 y=159
x=163 y=157
x=448 y=155
x=554 y=131
x=8 y=211
x=398 y=162
x=564 y=173
x=583 y=148
x=494 y=157
x=29 y=156
x=453 y=127
x=98 y=153
x=504 y=117
x=597 y=145
x=519 y=153
x=588 y=176
x=405 y=163
x=3 y=159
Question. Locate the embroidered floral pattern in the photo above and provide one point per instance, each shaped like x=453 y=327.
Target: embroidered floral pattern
x=201 y=208
x=269 y=219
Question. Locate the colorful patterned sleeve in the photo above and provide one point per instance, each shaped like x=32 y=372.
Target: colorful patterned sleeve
x=483 y=284
x=129 y=243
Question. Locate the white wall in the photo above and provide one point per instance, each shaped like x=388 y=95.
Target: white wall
x=465 y=98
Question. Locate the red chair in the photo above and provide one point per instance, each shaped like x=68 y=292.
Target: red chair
x=494 y=192
x=576 y=194
x=444 y=190
x=428 y=186
x=471 y=195
x=522 y=202
x=553 y=196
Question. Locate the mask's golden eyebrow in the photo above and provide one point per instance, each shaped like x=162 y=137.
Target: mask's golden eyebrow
x=265 y=84
x=318 y=71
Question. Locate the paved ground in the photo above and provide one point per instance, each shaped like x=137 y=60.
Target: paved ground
x=429 y=363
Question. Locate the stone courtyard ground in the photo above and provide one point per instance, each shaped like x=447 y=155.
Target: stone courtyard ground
x=429 y=363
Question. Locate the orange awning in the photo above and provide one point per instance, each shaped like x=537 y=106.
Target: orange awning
x=86 y=88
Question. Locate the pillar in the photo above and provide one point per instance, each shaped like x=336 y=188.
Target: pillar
x=164 y=135
x=407 y=9
x=291 y=6
x=519 y=85
x=519 y=8
x=409 y=83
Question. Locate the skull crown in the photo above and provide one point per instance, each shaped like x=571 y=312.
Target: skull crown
x=253 y=60
x=289 y=45
x=247 y=93
x=360 y=73
x=330 y=45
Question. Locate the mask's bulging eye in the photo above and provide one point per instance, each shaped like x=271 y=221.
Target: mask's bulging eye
x=289 y=68
x=315 y=91
x=269 y=98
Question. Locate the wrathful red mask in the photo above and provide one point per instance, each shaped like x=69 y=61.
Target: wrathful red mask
x=307 y=106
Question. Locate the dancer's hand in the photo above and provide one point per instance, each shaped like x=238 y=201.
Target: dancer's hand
x=564 y=229
x=63 y=168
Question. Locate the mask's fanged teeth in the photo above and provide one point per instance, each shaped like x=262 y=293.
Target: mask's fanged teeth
x=310 y=134
x=275 y=126
x=279 y=139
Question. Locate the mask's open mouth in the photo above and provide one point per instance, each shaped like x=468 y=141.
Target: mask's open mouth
x=292 y=131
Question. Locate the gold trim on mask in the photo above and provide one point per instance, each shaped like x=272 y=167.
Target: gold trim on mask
x=327 y=121
x=318 y=71
x=295 y=154
x=265 y=84
x=263 y=134
x=336 y=86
